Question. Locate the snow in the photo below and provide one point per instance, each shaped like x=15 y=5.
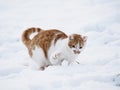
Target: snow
x=99 y=67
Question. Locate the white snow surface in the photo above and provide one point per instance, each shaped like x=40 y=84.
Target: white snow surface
x=99 y=67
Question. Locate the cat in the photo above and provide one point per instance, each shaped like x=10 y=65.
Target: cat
x=52 y=47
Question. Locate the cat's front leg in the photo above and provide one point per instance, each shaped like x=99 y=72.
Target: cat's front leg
x=70 y=61
x=56 y=58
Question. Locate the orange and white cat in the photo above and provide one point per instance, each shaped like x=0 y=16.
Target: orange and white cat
x=51 y=47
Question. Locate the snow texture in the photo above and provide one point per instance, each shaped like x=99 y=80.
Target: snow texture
x=99 y=67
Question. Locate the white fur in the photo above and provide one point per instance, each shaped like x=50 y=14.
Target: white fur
x=66 y=52
x=56 y=58
x=61 y=47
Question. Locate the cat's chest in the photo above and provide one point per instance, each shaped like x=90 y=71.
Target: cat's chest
x=62 y=47
x=69 y=55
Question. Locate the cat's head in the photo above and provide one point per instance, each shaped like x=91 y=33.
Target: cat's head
x=77 y=43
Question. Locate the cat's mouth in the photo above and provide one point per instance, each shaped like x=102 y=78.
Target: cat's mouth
x=76 y=52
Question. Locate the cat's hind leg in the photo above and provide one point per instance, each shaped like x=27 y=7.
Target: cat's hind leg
x=39 y=58
x=37 y=64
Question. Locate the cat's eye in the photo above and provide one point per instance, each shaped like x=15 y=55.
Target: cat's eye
x=80 y=47
x=73 y=46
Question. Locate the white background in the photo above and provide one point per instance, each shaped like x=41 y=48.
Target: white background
x=99 y=66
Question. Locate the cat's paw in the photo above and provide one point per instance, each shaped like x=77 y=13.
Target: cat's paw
x=42 y=68
x=55 y=58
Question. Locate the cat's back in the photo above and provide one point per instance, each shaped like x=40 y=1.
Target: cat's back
x=47 y=36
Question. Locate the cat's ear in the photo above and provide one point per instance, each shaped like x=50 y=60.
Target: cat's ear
x=71 y=37
x=84 y=38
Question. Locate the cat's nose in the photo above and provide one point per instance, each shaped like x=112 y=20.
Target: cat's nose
x=76 y=52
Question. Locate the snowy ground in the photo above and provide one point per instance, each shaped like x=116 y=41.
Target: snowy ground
x=99 y=67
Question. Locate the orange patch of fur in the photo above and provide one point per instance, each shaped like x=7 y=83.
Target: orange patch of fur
x=43 y=39
x=75 y=39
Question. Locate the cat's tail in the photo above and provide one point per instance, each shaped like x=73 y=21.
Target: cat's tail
x=26 y=35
